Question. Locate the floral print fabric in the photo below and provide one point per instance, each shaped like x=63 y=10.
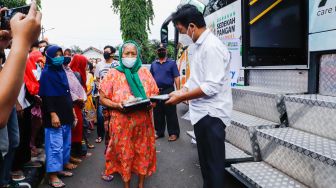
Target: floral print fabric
x=132 y=144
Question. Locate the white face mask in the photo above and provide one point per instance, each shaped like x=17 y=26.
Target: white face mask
x=192 y=35
x=129 y=62
x=185 y=40
x=42 y=49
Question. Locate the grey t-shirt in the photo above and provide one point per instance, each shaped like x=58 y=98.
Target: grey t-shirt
x=102 y=68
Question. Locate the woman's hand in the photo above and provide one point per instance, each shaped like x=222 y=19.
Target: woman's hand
x=19 y=110
x=55 y=121
x=119 y=106
x=38 y=100
x=151 y=106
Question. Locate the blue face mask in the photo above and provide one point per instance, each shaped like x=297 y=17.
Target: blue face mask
x=57 y=61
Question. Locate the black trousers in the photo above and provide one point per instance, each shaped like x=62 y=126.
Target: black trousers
x=23 y=152
x=210 y=137
x=166 y=114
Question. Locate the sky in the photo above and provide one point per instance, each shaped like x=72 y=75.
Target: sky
x=88 y=23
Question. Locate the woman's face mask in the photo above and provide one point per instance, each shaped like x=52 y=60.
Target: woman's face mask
x=57 y=61
x=129 y=61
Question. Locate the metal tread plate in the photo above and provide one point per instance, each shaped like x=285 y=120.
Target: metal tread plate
x=266 y=92
x=312 y=113
x=313 y=100
x=260 y=102
x=233 y=154
x=260 y=174
x=247 y=121
x=313 y=146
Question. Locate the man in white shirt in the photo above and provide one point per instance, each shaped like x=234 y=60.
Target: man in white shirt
x=209 y=92
x=101 y=69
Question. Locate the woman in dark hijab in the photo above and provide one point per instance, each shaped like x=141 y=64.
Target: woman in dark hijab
x=58 y=116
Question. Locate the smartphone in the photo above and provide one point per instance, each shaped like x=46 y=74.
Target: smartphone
x=7 y=15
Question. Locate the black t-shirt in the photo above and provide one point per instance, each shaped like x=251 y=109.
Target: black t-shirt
x=62 y=106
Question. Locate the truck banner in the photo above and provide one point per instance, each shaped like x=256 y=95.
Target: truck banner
x=226 y=25
x=322 y=25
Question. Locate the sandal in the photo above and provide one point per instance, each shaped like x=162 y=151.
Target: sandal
x=99 y=140
x=87 y=155
x=56 y=184
x=75 y=160
x=172 y=138
x=107 y=178
x=65 y=174
x=70 y=166
x=90 y=146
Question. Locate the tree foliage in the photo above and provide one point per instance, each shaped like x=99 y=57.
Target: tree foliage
x=152 y=48
x=16 y=3
x=136 y=17
x=76 y=49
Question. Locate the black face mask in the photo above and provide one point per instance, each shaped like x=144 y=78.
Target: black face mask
x=107 y=55
x=67 y=60
x=162 y=54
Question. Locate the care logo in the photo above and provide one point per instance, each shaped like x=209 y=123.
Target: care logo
x=322 y=3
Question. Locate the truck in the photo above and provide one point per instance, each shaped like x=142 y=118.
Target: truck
x=283 y=68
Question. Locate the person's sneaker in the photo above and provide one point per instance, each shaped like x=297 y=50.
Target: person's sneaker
x=18 y=176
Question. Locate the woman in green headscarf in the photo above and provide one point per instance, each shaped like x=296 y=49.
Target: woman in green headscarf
x=131 y=148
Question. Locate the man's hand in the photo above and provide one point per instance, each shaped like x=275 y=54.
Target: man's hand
x=26 y=28
x=176 y=97
x=55 y=121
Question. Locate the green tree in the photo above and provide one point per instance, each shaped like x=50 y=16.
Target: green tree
x=76 y=49
x=16 y=3
x=136 y=17
x=152 y=48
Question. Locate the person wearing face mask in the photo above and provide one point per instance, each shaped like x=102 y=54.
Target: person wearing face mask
x=132 y=145
x=166 y=74
x=43 y=45
x=101 y=69
x=67 y=52
x=208 y=91
x=58 y=116
x=78 y=96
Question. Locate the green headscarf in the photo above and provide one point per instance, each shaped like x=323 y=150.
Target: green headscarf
x=132 y=73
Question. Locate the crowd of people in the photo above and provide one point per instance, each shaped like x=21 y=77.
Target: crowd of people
x=64 y=96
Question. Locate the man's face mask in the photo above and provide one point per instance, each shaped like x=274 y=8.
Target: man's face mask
x=107 y=55
x=192 y=32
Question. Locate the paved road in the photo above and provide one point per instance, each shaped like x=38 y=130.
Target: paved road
x=177 y=162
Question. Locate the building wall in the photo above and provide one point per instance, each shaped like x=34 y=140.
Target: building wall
x=93 y=54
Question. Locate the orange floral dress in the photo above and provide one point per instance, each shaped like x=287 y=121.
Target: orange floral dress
x=132 y=144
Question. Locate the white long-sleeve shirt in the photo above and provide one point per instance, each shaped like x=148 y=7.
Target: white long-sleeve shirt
x=210 y=70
